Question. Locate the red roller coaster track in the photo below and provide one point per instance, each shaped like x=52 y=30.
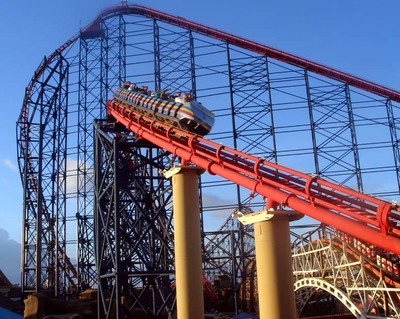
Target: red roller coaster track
x=228 y=38
x=362 y=216
x=253 y=46
x=249 y=45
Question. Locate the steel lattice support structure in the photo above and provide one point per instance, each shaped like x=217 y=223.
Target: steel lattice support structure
x=267 y=102
x=227 y=255
x=336 y=274
x=42 y=143
x=326 y=264
x=134 y=228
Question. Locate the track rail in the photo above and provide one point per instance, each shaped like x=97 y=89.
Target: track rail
x=362 y=216
x=381 y=218
x=248 y=45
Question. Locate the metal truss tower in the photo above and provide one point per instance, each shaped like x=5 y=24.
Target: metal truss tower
x=133 y=224
x=267 y=103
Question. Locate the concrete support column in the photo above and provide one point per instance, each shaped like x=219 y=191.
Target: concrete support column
x=274 y=269
x=274 y=262
x=188 y=261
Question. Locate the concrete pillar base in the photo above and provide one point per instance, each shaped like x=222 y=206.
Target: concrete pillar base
x=188 y=261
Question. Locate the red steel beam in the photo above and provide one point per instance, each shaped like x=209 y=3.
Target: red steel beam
x=362 y=216
x=249 y=45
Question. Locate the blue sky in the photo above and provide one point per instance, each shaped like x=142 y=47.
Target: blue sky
x=360 y=37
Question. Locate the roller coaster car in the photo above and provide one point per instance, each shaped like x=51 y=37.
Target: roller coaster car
x=182 y=112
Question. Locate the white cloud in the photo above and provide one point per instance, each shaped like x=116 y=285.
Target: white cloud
x=11 y=265
x=9 y=164
x=217 y=211
x=73 y=178
x=217 y=206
